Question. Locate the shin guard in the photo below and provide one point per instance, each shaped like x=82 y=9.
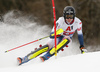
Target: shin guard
x=38 y=52
x=61 y=45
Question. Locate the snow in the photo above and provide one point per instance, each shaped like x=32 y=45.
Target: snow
x=15 y=32
x=89 y=62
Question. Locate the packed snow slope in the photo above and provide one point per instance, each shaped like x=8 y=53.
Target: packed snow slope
x=89 y=62
x=15 y=31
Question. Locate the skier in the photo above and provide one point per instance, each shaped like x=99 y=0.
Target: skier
x=66 y=27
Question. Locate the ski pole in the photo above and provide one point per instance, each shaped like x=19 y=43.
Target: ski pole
x=26 y=44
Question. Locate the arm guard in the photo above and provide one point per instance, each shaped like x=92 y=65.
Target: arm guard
x=58 y=33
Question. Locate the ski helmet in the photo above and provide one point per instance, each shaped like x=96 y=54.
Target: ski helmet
x=69 y=12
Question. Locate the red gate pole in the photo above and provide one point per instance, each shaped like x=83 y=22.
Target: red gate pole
x=54 y=14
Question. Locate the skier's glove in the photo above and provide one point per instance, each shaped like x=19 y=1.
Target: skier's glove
x=83 y=50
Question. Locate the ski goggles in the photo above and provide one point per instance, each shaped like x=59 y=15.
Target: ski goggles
x=69 y=16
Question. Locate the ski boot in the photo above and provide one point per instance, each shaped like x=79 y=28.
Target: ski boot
x=46 y=56
x=42 y=58
x=22 y=60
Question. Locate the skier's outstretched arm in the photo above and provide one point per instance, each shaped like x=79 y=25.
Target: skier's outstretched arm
x=80 y=38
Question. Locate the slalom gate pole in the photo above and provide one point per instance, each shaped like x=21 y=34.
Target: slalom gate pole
x=26 y=44
x=54 y=14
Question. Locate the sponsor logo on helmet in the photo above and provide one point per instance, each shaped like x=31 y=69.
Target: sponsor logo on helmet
x=69 y=11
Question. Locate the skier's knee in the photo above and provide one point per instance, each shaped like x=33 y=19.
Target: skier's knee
x=49 y=45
